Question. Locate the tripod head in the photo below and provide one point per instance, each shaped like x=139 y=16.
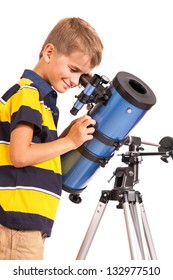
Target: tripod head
x=127 y=177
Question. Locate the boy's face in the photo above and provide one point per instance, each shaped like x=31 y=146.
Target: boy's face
x=61 y=71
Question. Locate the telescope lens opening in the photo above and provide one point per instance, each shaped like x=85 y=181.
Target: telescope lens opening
x=137 y=86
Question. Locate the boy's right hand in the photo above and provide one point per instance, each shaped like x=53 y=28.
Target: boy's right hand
x=81 y=130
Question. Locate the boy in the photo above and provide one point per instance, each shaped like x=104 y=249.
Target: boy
x=30 y=168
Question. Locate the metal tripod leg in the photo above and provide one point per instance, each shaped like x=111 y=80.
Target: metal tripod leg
x=148 y=235
x=138 y=226
x=130 y=230
x=91 y=231
x=139 y=235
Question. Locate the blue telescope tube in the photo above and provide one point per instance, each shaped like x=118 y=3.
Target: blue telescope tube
x=130 y=99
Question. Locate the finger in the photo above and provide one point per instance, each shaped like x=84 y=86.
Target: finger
x=89 y=122
x=89 y=137
x=84 y=118
x=90 y=130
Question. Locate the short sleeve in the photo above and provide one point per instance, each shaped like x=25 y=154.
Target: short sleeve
x=25 y=107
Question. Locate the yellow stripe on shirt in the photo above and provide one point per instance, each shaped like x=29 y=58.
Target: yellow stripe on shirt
x=29 y=201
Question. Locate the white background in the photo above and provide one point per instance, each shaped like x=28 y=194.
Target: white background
x=137 y=37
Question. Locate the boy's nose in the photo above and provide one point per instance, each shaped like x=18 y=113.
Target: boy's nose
x=75 y=80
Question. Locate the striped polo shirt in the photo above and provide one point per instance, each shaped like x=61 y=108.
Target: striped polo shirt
x=29 y=196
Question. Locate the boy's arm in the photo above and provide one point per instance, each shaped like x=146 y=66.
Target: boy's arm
x=24 y=153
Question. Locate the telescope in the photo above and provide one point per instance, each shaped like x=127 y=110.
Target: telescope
x=119 y=106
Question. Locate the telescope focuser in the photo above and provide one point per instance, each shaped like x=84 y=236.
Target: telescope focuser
x=94 y=91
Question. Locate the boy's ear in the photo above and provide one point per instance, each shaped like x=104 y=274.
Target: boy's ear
x=47 y=52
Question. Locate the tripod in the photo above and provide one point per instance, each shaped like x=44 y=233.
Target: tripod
x=138 y=231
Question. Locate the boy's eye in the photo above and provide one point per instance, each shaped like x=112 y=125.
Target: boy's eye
x=73 y=69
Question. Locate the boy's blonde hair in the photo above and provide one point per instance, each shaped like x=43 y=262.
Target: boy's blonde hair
x=75 y=34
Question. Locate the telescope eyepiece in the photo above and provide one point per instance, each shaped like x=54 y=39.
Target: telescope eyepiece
x=84 y=79
x=74 y=111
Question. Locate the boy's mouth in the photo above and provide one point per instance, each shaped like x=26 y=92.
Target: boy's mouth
x=67 y=85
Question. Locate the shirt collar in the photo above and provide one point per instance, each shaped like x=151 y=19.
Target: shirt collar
x=39 y=82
